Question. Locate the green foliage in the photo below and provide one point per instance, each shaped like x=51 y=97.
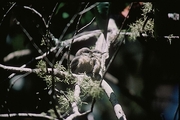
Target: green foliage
x=143 y=25
x=65 y=15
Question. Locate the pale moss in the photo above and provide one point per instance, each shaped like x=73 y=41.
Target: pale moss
x=137 y=27
x=147 y=7
x=69 y=79
x=91 y=88
x=42 y=66
x=66 y=99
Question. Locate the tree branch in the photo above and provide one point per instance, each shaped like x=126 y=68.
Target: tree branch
x=110 y=93
x=37 y=13
x=18 y=53
x=57 y=73
x=82 y=37
x=31 y=115
x=112 y=97
x=103 y=46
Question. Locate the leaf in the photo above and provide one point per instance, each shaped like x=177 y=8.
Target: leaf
x=65 y=15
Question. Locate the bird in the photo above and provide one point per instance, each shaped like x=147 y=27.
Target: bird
x=86 y=61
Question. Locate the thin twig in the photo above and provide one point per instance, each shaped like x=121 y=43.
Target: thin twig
x=62 y=35
x=37 y=58
x=7 y=12
x=115 y=53
x=69 y=50
x=89 y=8
x=93 y=103
x=87 y=24
x=48 y=34
x=62 y=92
x=92 y=106
x=45 y=54
x=37 y=13
x=53 y=94
x=14 y=81
x=82 y=37
x=50 y=17
x=73 y=18
x=67 y=26
x=32 y=42
x=57 y=73
x=11 y=85
x=76 y=31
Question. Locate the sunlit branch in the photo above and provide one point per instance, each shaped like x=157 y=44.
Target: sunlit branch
x=117 y=108
x=57 y=73
x=78 y=38
x=18 y=53
x=30 y=115
x=113 y=99
x=82 y=37
x=74 y=105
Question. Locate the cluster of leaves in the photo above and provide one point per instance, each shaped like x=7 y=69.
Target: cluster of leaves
x=143 y=25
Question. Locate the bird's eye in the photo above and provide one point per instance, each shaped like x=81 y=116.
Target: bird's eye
x=86 y=51
x=96 y=51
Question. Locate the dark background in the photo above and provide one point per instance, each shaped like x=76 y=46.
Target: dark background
x=147 y=69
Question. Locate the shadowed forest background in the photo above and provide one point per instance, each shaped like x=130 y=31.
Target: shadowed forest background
x=145 y=71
